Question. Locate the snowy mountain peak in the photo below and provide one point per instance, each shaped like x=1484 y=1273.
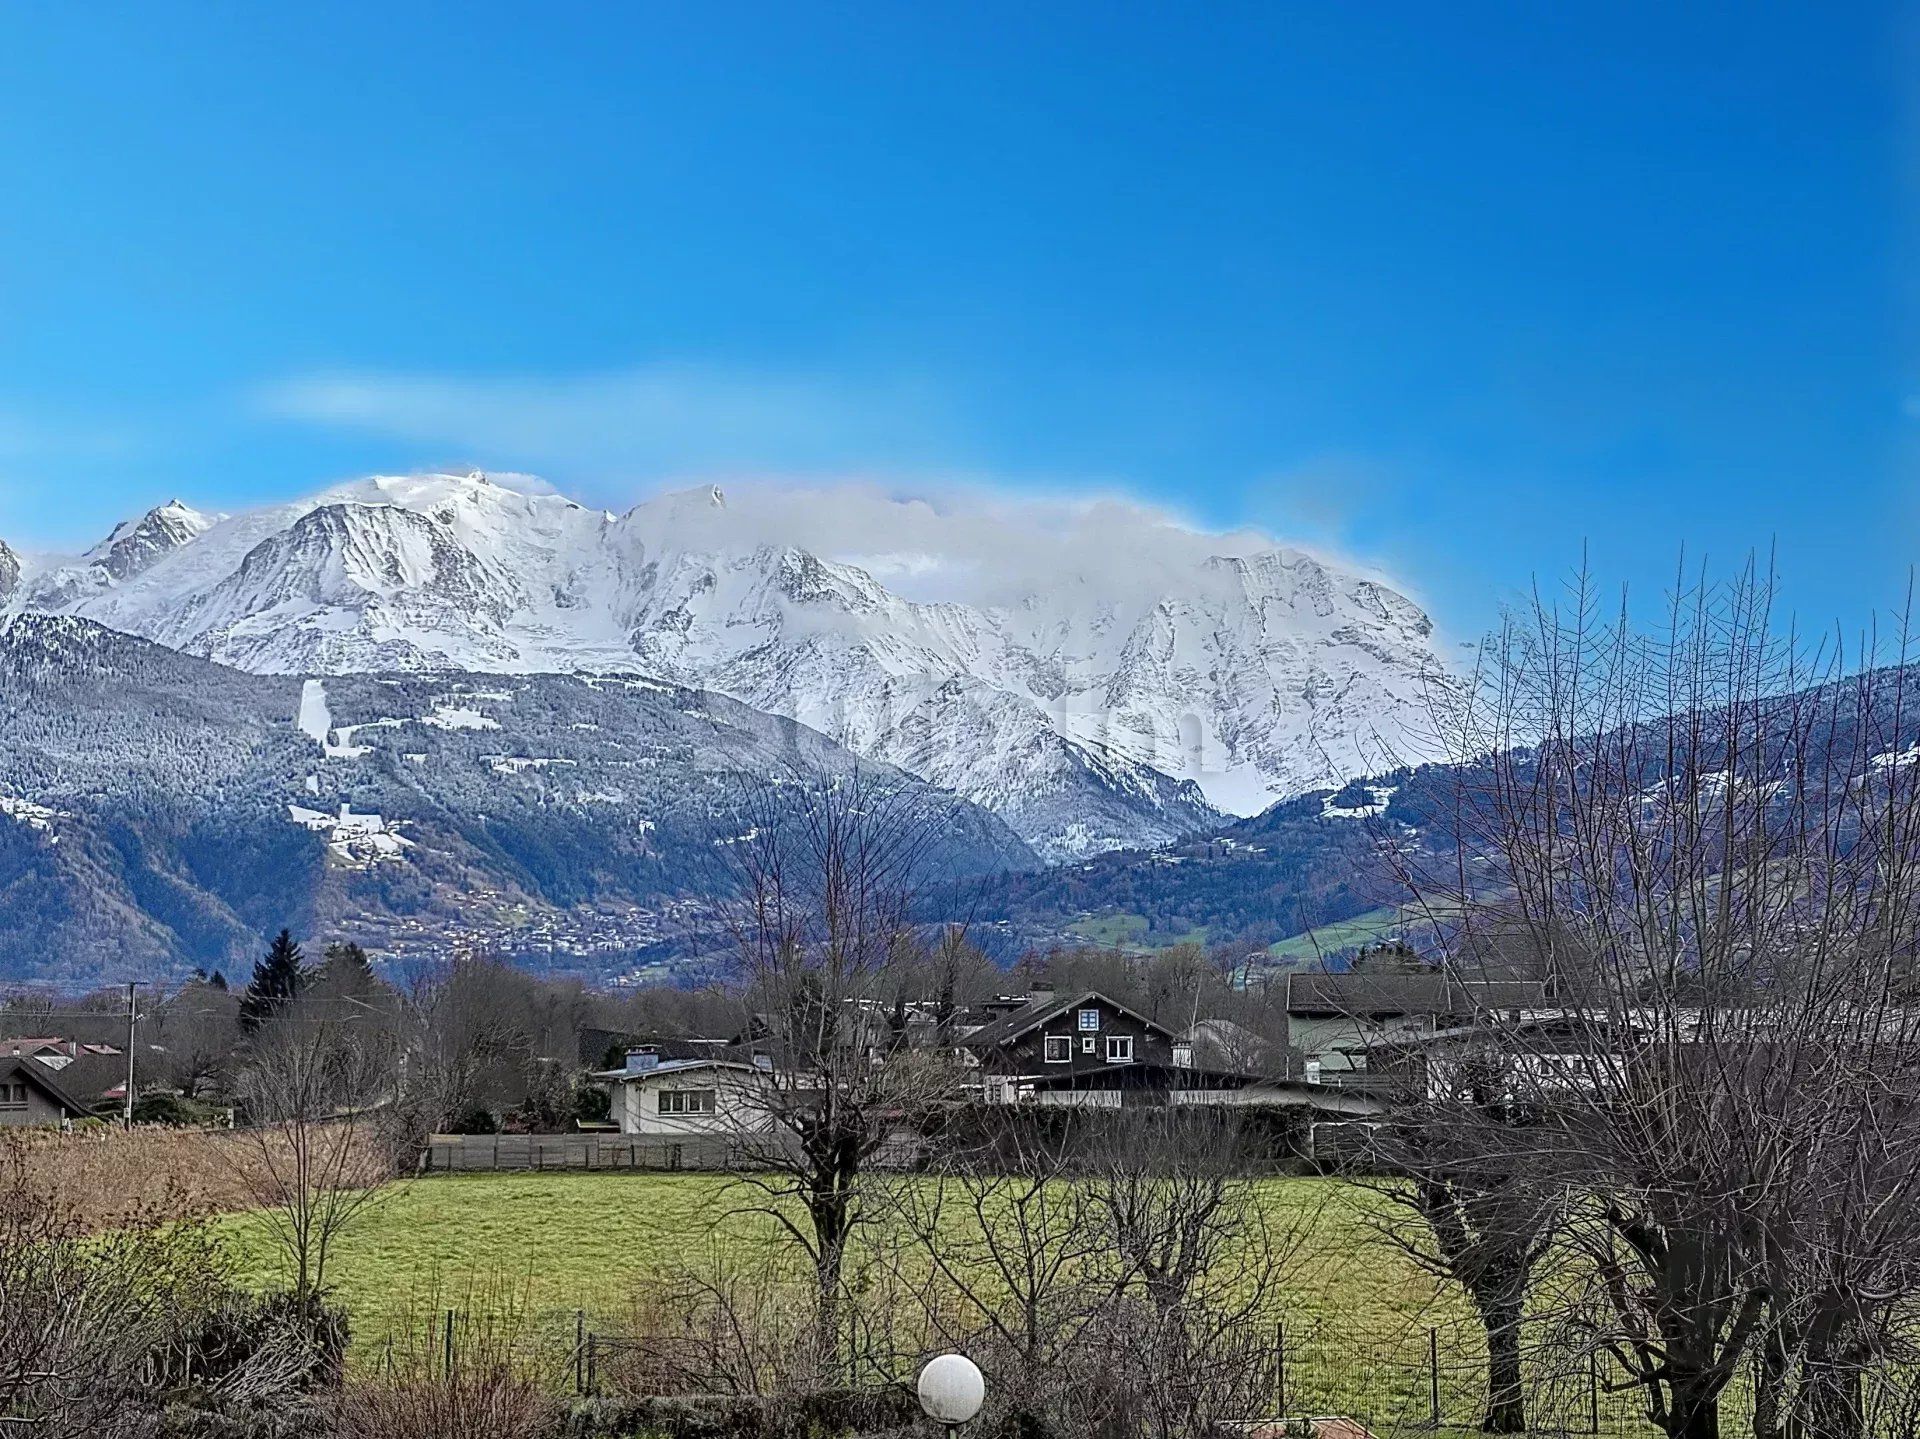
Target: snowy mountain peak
x=1098 y=676
x=135 y=544
x=9 y=572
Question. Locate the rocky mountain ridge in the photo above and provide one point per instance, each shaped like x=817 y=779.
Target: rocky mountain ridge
x=1097 y=711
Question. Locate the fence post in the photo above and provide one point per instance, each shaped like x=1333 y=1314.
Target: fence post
x=1280 y=1357
x=579 y=1351
x=1433 y=1374
x=447 y=1351
x=593 y=1366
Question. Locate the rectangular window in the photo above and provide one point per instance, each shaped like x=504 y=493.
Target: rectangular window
x=1086 y=1045
x=1119 y=1049
x=13 y=1096
x=1059 y=1049
x=1089 y=1020
x=686 y=1101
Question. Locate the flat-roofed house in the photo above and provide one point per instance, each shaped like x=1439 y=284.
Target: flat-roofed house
x=713 y=1094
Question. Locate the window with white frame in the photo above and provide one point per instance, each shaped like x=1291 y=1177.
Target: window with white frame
x=686 y=1101
x=1059 y=1048
x=1089 y=1020
x=1087 y=1044
x=1119 y=1049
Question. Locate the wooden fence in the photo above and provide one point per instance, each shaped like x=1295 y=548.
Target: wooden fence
x=482 y=1153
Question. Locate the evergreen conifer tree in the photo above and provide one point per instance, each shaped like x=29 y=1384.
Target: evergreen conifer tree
x=347 y=960
x=277 y=981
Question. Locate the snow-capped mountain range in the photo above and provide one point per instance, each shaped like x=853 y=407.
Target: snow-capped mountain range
x=1121 y=702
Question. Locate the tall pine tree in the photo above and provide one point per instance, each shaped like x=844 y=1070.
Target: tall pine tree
x=277 y=982
x=348 y=962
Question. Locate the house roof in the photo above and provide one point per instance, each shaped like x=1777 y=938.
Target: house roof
x=670 y=1067
x=1545 y=1025
x=595 y=1042
x=94 y=1076
x=1010 y=1027
x=44 y=1079
x=1435 y=993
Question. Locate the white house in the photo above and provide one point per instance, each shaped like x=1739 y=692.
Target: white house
x=651 y=1095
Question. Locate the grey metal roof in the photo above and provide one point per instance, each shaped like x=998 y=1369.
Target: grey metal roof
x=1436 y=993
x=672 y=1066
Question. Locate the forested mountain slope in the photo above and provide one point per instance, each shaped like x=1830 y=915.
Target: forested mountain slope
x=159 y=811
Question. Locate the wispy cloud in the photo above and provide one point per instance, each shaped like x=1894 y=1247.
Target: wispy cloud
x=877 y=472
x=648 y=422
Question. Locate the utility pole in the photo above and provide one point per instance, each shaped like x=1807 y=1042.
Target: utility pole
x=127 y=1115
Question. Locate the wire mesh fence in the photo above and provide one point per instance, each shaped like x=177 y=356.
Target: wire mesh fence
x=1431 y=1380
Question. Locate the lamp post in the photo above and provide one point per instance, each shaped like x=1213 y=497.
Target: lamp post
x=952 y=1390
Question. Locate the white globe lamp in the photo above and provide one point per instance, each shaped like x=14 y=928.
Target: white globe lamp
x=952 y=1390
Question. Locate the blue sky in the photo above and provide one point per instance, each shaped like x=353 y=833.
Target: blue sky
x=1456 y=288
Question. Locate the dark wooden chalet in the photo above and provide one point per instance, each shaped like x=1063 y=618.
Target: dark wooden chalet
x=1080 y=1034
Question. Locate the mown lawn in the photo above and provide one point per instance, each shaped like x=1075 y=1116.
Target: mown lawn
x=593 y=1241
x=1357 y=1313
x=1358 y=1316
x=559 y=1241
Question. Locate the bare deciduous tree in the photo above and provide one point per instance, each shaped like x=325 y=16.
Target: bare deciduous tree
x=314 y=1151
x=459 y=1021
x=1471 y=1202
x=1022 y=1265
x=1201 y=1261
x=1707 y=841
x=198 y=1027
x=822 y=921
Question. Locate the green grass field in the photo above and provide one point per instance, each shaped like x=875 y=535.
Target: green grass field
x=1356 y=1312
x=1347 y=934
x=1128 y=931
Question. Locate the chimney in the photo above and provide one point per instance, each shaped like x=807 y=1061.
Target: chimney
x=643 y=1059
